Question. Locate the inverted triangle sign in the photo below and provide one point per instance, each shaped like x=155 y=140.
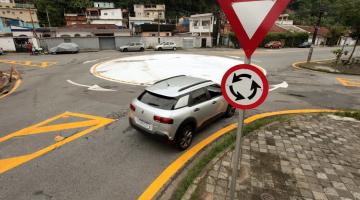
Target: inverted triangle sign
x=251 y=20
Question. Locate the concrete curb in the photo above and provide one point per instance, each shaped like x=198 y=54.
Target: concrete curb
x=296 y=65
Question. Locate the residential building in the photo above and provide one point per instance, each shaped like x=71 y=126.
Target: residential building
x=182 y=25
x=153 y=30
x=105 y=16
x=202 y=24
x=104 y=5
x=284 y=20
x=135 y=21
x=7 y=3
x=23 y=12
x=322 y=35
x=91 y=30
x=72 y=19
x=154 y=11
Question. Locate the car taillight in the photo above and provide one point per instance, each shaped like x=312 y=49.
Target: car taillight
x=132 y=107
x=163 y=120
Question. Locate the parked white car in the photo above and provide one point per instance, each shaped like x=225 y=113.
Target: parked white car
x=166 y=46
x=133 y=46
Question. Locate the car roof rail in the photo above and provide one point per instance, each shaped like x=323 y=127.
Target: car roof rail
x=168 y=79
x=193 y=85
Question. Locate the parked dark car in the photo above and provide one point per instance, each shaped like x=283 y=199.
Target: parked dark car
x=274 y=45
x=305 y=45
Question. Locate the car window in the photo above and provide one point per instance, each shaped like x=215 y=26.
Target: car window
x=214 y=91
x=139 y=44
x=183 y=102
x=158 y=101
x=199 y=96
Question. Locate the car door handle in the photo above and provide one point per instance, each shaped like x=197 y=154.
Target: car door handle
x=197 y=110
x=214 y=102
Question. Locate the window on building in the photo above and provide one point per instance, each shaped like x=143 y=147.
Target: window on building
x=3 y=12
x=8 y=11
x=206 y=23
x=13 y=13
x=105 y=14
x=167 y=34
x=196 y=23
x=147 y=14
x=153 y=35
x=21 y=12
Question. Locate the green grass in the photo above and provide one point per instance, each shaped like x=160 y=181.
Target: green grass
x=227 y=142
x=351 y=114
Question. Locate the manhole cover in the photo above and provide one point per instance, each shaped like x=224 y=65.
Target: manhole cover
x=266 y=196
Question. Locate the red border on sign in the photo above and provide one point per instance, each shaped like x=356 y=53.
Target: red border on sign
x=258 y=72
x=250 y=44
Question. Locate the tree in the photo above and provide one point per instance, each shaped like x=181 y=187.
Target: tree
x=349 y=10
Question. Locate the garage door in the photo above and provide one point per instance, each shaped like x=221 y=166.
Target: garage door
x=188 y=43
x=107 y=43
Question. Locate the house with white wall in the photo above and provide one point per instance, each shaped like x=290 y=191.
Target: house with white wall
x=202 y=24
x=155 y=11
x=105 y=16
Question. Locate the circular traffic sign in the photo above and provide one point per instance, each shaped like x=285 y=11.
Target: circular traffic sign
x=245 y=87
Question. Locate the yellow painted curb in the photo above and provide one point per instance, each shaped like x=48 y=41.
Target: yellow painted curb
x=295 y=65
x=174 y=167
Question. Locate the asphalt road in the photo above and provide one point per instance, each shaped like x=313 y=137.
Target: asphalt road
x=115 y=161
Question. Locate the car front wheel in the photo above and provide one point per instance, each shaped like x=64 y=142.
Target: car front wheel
x=174 y=48
x=184 y=137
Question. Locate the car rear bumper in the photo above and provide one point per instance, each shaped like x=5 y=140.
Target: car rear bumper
x=160 y=130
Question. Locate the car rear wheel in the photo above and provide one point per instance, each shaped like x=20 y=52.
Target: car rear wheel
x=230 y=112
x=142 y=49
x=184 y=137
x=160 y=49
x=174 y=48
x=125 y=50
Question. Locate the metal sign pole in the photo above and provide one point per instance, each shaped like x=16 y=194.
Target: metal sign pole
x=237 y=156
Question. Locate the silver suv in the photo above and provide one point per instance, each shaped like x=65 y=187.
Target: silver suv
x=176 y=107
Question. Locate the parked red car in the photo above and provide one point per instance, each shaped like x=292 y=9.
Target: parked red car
x=274 y=45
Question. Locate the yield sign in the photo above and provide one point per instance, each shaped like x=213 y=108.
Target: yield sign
x=251 y=20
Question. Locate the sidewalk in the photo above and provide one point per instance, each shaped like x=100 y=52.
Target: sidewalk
x=308 y=157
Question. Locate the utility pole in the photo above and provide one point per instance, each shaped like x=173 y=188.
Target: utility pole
x=158 y=26
x=317 y=27
x=48 y=18
x=32 y=22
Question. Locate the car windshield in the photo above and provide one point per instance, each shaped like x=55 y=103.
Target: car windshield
x=158 y=101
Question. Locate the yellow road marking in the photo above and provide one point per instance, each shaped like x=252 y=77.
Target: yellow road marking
x=174 y=167
x=29 y=63
x=92 y=122
x=349 y=82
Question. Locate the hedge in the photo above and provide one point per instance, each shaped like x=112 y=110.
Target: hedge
x=289 y=39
